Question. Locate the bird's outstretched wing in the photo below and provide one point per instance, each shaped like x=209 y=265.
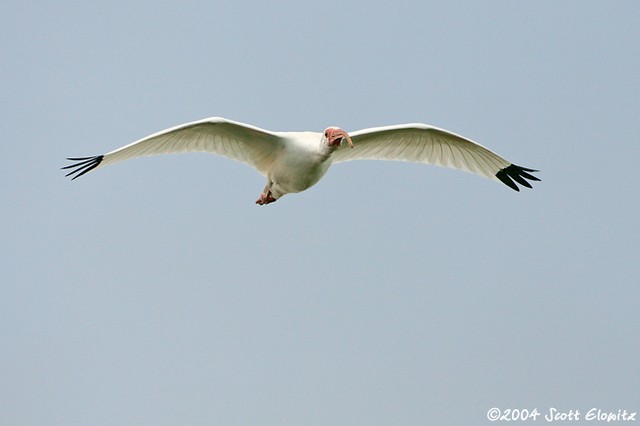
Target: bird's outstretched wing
x=421 y=143
x=216 y=135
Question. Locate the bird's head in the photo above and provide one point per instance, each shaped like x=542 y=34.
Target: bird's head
x=334 y=137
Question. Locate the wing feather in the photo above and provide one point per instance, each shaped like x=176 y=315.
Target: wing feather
x=421 y=143
x=238 y=141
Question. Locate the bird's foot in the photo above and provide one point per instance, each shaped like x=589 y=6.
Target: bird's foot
x=265 y=198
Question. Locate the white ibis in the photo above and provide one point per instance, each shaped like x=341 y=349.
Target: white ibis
x=295 y=161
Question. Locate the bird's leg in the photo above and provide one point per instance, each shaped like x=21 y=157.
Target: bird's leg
x=266 y=197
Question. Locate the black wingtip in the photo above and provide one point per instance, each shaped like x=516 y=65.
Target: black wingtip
x=518 y=174
x=82 y=165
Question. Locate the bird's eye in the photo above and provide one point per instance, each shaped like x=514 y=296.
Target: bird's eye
x=326 y=134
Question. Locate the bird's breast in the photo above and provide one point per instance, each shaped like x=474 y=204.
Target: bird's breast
x=298 y=169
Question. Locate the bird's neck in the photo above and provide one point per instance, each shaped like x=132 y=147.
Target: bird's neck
x=325 y=151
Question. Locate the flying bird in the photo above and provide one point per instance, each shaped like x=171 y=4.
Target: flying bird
x=295 y=161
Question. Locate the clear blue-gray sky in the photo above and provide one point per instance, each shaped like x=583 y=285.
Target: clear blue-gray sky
x=154 y=292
